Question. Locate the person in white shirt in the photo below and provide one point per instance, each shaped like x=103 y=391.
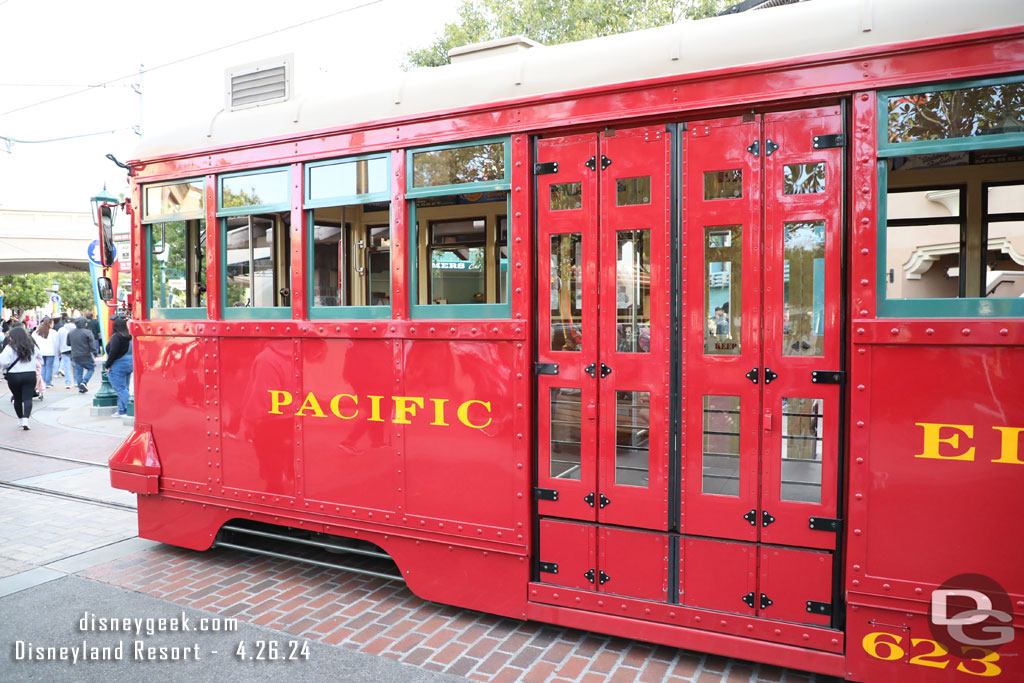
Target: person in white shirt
x=64 y=349
x=44 y=337
x=18 y=364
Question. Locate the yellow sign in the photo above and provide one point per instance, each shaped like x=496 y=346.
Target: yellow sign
x=402 y=408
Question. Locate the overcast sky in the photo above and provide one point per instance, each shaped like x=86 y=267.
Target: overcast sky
x=52 y=48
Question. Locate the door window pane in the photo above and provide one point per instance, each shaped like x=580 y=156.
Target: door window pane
x=632 y=437
x=633 y=191
x=263 y=261
x=720 y=466
x=633 y=291
x=467 y=164
x=804 y=178
x=257 y=260
x=566 y=421
x=802 y=438
x=457 y=261
x=566 y=292
x=723 y=184
x=566 y=196
x=803 y=274
x=723 y=253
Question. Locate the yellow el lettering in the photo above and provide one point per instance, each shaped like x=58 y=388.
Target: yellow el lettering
x=933 y=441
x=1010 y=447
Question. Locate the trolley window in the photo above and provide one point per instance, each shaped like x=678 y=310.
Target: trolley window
x=255 y=217
x=459 y=205
x=951 y=207
x=349 y=244
x=174 y=219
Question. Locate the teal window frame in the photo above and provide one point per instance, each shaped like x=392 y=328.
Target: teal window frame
x=973 y=307
x=341 y=312
x=456 y=311
x=156 y=312
x=255 y=208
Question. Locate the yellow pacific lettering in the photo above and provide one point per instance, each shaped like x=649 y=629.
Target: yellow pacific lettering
x=439 y=413
x=1010 y=446
x=933 y=440
x=310 y=404
x=278 y=399
x=463 y=413
x=406 y=405
x=375 y=408
x=336 y=406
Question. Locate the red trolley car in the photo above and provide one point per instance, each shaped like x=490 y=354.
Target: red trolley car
x=708 y=335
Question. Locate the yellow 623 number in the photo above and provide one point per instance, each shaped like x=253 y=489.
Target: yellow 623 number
x=886 y=646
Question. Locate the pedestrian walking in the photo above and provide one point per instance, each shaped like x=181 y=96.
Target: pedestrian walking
x=119 y=363
x=64 y=351
x=93 y=326
x=44 y=337
x=83 y=352
x=18 y=363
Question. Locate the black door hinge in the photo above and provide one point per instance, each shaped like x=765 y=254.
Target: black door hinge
x=769 y=376
x=591 y=163
x=751 y=517
x=828 y=376
x=749 y=599
x=591 y=370
x=766 y=518
x=589 y=499
x=603 y=501
x=603 y=578
x=605 y=371
x=755 y=149
x=545 y=368
x=752 y=376
x=815 y=607
x=824 y=524
x=545 y=168
x=828 y=141
x=589 y=575
x=769 y=147
x=605 y=162
x=766 y=601
x=549 y=567
x=545 y=494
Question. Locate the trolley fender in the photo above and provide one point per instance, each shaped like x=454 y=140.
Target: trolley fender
x=135 y=466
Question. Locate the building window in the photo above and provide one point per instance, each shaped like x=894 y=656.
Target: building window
x=349 y=223
x=174 y=216
x=951 y=172
x=255 y=219
x=459 y=216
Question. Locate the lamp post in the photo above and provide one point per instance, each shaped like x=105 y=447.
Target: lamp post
x=106 y=397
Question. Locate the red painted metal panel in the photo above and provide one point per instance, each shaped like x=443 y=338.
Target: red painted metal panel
x=573 y=547
x=214 y=309
x=714 y=504
x=632 y=563
x=462 y=459
x=297 y=243
x=717 y=574
x=567 y=402
x=802 y=304
x=633 y=462
x=790 y=578
x=172 y=377
x=399 y=237
x=348 y=459
x=259 y=447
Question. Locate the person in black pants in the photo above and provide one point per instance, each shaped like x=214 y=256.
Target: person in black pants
x=18 y=362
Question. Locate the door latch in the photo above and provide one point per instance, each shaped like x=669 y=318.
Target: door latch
x=769 y=376
x=605 y=371
x=766 y=601
x=749 y=599
x=603 y=501
x=591 y=370
x=589 y=499
x=605 y=162
x=766 y=518
x=589 y=575
x=603 y=578
x=752 y=518
x=591 y=163
x=752 y=376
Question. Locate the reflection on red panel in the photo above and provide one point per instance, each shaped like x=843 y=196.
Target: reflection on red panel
x=971 y=459
x=459 y=451
x=257 y=445
x=791 y=578
x=567 y=554
x=633 y=563
x=717 y=575
x=171 y=380
x=348 y=458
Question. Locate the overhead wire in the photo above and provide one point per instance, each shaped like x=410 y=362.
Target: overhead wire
x=185 y=59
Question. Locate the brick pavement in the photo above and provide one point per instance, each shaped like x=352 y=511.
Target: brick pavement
x=384 y=618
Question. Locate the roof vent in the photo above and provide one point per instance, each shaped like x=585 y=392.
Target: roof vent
x=491 y=48
x=258 y=83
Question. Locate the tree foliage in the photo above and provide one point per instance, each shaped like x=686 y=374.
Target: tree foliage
x=959 y=113
x=555 y=21
x=31 y=290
